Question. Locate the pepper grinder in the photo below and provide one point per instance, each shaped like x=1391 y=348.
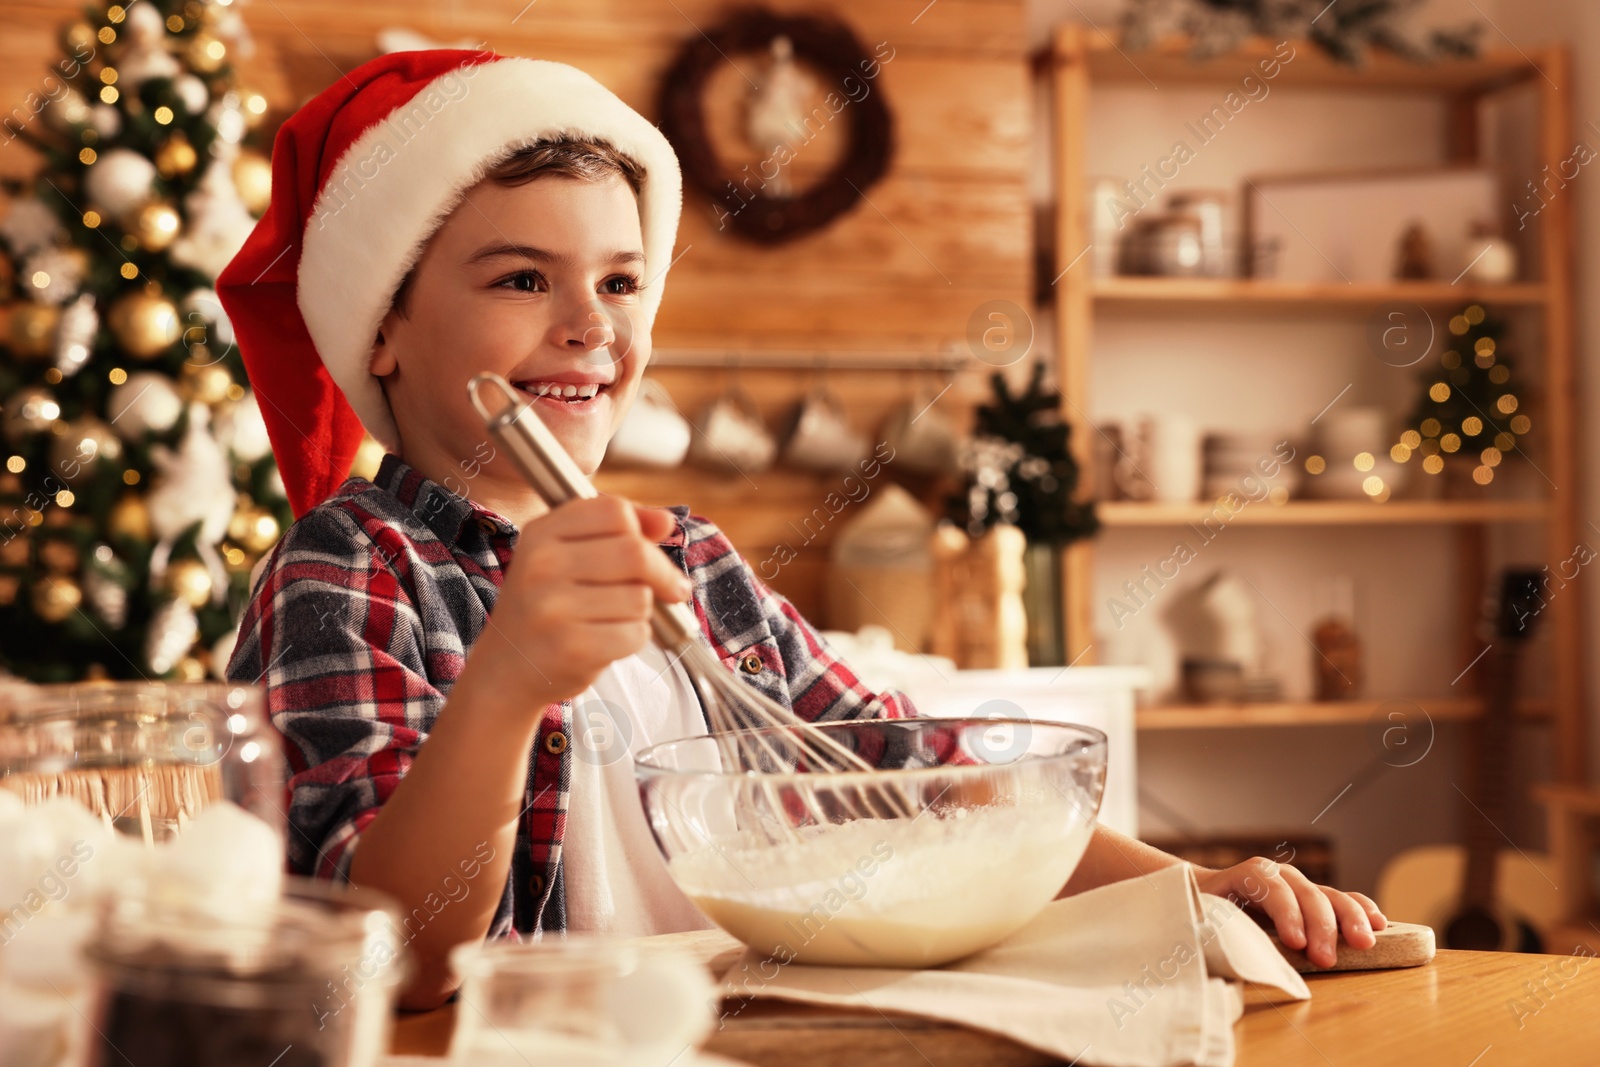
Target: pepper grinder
x=1337 y=667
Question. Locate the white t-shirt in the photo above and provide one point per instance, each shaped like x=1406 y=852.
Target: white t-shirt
x=616 y=881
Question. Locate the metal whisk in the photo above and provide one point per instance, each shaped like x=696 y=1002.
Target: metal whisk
x=757 y=734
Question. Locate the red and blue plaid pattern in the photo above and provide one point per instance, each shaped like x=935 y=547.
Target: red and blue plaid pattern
x=362 y=619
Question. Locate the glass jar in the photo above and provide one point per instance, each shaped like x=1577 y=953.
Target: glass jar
x=109 y=775
x=311 y=983
x=578 y=1002
x=144 y=756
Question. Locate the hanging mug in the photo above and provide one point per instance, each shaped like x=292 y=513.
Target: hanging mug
x=732 y=436
x=653 y=433
x=923 y=437
x=820 y=438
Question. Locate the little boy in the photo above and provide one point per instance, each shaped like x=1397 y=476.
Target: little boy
x=465 y=721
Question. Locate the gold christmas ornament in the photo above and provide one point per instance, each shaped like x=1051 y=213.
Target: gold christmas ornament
x=191 y=669
x=58 y=556
x=176 y=156
x=252 y=176
x=79 y=38
x=30 y=410
x=67 y=110
x=205 y=383
x=55 y=599
x=206 y=53
x=257 y=529
x=130 y=518
x=144 y=323
x=189 y=580
x=14 y=553
x=369 y=454
x=156 y=226
x=32 y=330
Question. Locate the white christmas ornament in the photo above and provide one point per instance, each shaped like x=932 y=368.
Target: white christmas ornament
x=193 y=92
x=206 y=304
x=108 y=597
x=53 y=276
x=106 y=120
x=30 y=226
x=276 y=488
x=193 y=485
x=173 y=629
x=221 y=653
x=146 y=403
x=244 y=431
x=75 y=335
x=144 y=49
x=120 y=180
x=219 y=222
x=227 y=117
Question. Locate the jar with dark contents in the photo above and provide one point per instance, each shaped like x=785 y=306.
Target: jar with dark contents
x=312 y=984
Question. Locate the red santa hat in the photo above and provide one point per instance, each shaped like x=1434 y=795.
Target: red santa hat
x=362 y=176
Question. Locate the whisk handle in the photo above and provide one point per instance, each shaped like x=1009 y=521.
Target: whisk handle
x=523 y=436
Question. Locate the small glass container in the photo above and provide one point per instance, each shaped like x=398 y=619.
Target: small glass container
x=578 y=1002
x=144 y=756
x=312 y=983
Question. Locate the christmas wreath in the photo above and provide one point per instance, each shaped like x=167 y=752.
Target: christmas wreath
x=823 y=44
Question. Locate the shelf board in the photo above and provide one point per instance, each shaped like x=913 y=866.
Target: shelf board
x=1329 y=513
x=1313 y=713
x=1310 y=68
x=1141 y=293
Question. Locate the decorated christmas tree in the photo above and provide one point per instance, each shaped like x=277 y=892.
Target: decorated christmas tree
x=137 y=487
x=1021 y=469
x=1469 y=416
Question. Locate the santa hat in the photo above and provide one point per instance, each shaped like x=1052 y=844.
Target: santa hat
x=362 y=176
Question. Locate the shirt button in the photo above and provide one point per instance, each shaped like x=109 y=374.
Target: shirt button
x=536 y=886
x=488 y=526
x=555 y=742
x=751 y=664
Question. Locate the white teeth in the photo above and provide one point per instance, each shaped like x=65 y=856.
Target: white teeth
x=555 y=389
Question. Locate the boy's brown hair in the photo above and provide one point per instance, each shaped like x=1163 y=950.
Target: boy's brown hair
x=565 y=156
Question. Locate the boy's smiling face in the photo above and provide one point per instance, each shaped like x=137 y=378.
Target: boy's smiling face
x=538 y=283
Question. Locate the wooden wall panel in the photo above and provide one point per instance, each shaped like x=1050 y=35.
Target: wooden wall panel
x=948 y=229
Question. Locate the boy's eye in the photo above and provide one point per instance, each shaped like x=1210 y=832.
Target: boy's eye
x=620 y=285
x=524 y=281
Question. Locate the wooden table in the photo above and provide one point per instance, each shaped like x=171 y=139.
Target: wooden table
x=1462 y=1010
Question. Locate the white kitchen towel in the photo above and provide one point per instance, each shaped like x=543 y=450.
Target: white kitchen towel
x=1133 y=974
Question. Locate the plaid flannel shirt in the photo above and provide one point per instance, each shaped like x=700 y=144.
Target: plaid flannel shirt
x=361 y=621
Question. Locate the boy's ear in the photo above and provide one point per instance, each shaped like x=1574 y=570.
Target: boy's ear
x=383 y=362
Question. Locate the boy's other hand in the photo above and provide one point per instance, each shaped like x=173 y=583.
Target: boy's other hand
x=1307 y=916
x=579 y=591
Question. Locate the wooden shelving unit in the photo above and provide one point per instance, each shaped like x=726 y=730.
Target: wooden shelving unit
x=1081 y=59
x=1143 y=293
x=1330 y=513
x=1313 y=713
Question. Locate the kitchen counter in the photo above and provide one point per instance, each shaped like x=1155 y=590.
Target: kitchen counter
x=1465 y=1009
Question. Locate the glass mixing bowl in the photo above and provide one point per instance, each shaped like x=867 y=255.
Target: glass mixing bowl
x=962 y=834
